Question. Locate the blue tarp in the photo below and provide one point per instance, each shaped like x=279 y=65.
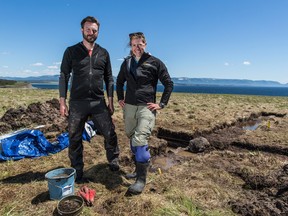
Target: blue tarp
x=32 y=143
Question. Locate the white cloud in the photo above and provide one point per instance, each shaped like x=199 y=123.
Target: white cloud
x=120 y=59
x=52 y=67
x=27 y=72
x=51 y=72
x=247 y=63
x=35 y=73
x=226 y=64
x=57 y=63
x=4 y=53
x=37 y=64
x=4 y=66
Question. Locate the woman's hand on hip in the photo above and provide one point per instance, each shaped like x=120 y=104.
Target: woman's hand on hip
x=153 y=106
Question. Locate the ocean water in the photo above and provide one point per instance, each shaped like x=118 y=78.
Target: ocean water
x=239 y=90
x=208 y=89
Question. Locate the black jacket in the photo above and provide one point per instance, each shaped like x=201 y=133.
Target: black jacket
x=88 y=73
x=141 y=88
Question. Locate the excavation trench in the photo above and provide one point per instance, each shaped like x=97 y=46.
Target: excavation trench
x=226 y=136
x=265 y=189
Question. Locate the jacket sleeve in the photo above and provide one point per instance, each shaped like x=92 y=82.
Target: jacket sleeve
x=121 y=79
x=65 y=73
x=108 y=77
x=168 y=84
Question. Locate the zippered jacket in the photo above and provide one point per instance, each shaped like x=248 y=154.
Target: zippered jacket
x=88 y=73
x=141 y=87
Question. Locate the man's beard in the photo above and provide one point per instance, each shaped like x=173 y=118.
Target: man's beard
x=89 y=38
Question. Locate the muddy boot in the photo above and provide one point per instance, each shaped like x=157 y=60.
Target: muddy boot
x=132 y=175
x=79 y=175
x=114 y=165
x=112 y=155
x=138 y=186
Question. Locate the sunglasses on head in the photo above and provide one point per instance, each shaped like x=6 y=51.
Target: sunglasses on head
x=136 y=34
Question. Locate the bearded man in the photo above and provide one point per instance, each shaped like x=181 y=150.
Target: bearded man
x=89 y=66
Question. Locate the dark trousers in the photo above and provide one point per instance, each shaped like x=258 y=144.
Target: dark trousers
x=97 y=111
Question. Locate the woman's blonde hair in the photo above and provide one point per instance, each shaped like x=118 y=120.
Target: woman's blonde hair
x=137 y=35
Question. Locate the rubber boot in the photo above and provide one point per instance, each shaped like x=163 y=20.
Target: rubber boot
x=114 y=165
x=132 y=175
x=138 y=186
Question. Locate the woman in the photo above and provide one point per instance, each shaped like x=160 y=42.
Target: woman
x=141 y=72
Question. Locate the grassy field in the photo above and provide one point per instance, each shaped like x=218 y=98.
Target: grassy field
x=219 y=181
x=14 y=84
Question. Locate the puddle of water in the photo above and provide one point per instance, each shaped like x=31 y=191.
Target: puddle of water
x=164 y=163
x=182 y=152
x=251 y=125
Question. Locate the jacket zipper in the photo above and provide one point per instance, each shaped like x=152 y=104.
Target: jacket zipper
x=91 y=74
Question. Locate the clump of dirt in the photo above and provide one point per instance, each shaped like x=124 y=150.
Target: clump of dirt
x=35 y=115
x=199 y=144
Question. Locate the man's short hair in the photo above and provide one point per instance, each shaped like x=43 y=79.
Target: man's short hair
x=90 y=19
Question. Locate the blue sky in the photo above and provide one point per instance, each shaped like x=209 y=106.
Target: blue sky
x=230 y=39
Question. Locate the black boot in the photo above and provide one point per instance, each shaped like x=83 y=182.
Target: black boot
x=132 y=175
x=80 y=179
x=138 y=186
x=114 y=165
x=112 y=157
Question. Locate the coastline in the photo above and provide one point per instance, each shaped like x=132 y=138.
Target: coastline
x=206 y=89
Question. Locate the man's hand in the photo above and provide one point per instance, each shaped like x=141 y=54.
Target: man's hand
x=63 y=107
x=121 y=103
x=111 y=105
x=111 y=108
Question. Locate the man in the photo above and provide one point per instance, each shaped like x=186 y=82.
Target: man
x=90 y=66
x=141 y=71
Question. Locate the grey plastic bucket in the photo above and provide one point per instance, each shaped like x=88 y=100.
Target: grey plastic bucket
x=61 y=182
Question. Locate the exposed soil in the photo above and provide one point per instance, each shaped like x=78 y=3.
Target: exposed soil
x=38 y=114
x=263 y=194
x=245 y=149
x=69 y=206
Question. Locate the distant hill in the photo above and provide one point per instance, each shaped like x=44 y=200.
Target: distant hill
x=31 y=79
x=230 y=82
x=176 y=80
